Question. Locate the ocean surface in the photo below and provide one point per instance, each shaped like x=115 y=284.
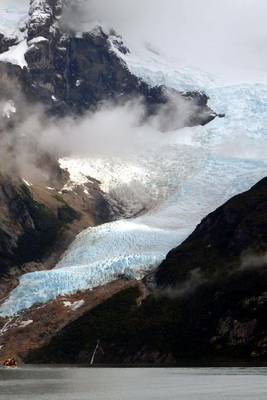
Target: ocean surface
x=34 y=383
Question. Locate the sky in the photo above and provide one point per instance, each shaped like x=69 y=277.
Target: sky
x=227 y=37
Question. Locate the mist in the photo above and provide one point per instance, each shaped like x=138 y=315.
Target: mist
x=113 y=130
x=226 y=38
x=252 y=260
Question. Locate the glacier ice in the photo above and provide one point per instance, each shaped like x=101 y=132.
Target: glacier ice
x=188 y=175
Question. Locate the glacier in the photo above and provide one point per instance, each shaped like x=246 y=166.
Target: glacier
x=187 y=175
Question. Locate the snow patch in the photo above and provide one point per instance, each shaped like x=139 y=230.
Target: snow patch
x=14 y=323
x=36 y=40
x=16 y=54
x=27 y=183
x=9 y=109
x=24 y=324
x=75 y=305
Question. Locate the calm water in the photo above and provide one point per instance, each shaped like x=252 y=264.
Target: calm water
x=134 y=384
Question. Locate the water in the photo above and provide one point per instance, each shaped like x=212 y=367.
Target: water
x=134 y=384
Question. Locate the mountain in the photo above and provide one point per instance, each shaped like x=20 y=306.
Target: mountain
x=207 y=301
x=45 y=63
x=69 y=72
x=42 y=61
x=84 y=237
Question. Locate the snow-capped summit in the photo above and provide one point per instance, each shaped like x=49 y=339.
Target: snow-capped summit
x=72 y=71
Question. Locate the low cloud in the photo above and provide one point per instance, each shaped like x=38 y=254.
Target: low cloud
x=113 y=130
x=251 y=260
x=194 y=280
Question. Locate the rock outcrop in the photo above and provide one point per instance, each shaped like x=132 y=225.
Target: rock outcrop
x=38 y=222
x=6 y=42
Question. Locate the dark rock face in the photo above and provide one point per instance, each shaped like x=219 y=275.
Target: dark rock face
x=23 y=218
x=12 y=209
x=38 y=223
x=6 y=42
x=221 y=240
x=221 y=317
x=71 y=73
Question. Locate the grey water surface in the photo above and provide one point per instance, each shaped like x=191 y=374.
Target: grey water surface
x=34 y=383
